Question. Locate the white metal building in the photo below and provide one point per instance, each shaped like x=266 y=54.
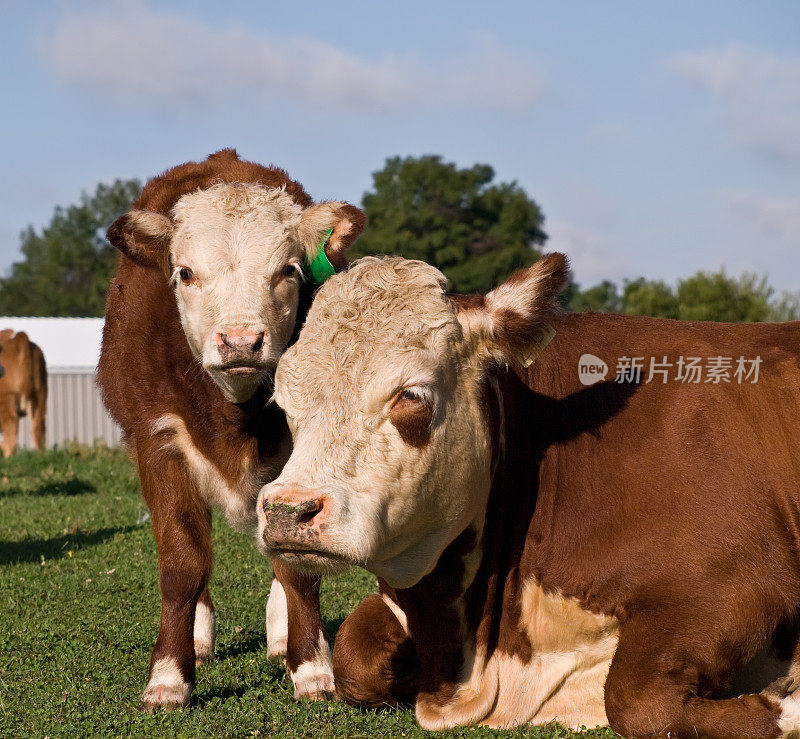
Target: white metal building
x=75 y=410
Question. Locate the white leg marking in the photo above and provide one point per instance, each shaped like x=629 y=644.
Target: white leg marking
x=277 y=621
x=789 y=721
x=166 y=686
x=204 y=633
x=314 y=679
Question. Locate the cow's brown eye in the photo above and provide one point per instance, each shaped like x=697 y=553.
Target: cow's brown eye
x=186 y=275
x=290 y=270
x=413 y=395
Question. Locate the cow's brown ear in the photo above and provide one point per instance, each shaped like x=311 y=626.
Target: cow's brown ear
x=144 y=237
x=346 y=221
x=512 y=320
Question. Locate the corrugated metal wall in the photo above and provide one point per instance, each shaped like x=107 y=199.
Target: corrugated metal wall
x=75 y=412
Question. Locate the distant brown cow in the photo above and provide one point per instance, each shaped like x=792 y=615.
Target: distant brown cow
x=550 y=546
x=208 y=292
x=23 y=389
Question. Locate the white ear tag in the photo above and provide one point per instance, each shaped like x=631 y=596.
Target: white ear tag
x=543 y=337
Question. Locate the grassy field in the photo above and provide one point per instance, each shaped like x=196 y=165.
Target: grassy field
x=79 y=611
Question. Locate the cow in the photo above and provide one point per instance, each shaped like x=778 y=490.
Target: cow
x=23 y=389
x=217 y=265
x=597 y=551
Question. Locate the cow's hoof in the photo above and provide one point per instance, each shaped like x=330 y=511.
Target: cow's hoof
x=315 y=685
x=166 y=689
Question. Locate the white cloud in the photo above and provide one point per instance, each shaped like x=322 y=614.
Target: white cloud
x=590 y=252
x=135 y=53
x=758 y=91
x=774 y=216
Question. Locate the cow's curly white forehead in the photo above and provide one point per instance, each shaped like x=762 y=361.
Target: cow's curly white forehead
x=238 y=199
x=379 y=298
x=385 y=315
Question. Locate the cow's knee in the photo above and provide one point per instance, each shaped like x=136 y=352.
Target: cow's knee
x=374 y=661
x=648 y=711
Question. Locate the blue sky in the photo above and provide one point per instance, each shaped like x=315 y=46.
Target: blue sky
x=658 y=138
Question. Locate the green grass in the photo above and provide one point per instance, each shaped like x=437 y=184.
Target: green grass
x=79 y=611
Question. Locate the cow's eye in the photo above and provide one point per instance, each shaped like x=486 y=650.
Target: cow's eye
x=290 y=270
x=412 y=414
x=186 y=275
x=412 y=394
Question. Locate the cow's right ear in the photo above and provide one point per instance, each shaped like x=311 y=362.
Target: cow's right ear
x=144 y=237
x=344 y=222
x=512 y=321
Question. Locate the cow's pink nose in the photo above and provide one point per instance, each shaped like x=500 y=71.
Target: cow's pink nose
x=239 y=345
x=293 y=510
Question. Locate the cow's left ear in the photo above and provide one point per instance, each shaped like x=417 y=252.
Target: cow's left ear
x=344 y=221
x=513 y=319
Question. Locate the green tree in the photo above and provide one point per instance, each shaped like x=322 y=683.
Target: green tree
x=705 y=296
x=602 y=298
x=66 y=268
x=475 y=231
x=714 y=296
x=649 y=298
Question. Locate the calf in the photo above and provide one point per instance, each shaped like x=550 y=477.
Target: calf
x=208 y=292
x=23 y=389
x=546 y=549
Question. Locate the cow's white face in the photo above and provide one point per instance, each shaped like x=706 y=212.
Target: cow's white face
x=237 y=260
x=235 y=255
x=383 y=394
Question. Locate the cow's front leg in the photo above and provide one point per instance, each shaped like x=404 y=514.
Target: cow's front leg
x=182 y=529
x=374 y=660
x=296 y=632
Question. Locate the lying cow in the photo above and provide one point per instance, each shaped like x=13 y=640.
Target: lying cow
x=545 y=551
x=23 y=389
x=208 y=292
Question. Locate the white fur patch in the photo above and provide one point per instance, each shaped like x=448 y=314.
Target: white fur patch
x=204 y=632
x=237 y=502
x=789 y=721
x=398 y=612
x=563 y=681
x=166 y=686
x=277 y=621
x=314 y=679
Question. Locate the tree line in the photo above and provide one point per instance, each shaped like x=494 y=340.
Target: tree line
x=476 y=230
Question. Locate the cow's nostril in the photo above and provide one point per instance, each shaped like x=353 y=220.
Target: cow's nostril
x=309 y=511
x=224 y=339
x=259 y=342
x=298 y=514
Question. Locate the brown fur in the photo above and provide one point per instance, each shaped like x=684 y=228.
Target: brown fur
x=23 y=389
x=375 y=658
x=147 y=370
x=671 y=508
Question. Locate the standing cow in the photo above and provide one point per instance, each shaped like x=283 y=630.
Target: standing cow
x=208 y=292
x=23 y=389
x=546 y=550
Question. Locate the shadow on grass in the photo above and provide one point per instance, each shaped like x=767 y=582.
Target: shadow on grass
x=61 y=487
x=203 y=699
x=32 y=550
x=244 y=644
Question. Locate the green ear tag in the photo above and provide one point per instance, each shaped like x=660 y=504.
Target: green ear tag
x=319 y=268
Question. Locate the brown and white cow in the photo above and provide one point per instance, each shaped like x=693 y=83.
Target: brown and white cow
x=23 y=389
x=207 y=294
x=611 y=553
